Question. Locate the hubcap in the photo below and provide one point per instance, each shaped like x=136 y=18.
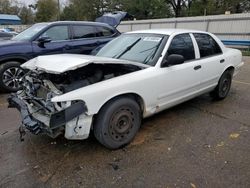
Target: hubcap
x=12 y=77
x=121 y=124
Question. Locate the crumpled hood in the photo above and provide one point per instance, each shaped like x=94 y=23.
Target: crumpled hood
x=57 y=64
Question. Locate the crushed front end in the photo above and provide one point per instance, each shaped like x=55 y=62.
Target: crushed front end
x=54 y=76
x=40 y=115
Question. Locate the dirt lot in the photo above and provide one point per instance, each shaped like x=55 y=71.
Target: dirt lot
x=200 y=143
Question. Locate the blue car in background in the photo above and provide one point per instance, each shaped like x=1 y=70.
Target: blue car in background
x=49 y=38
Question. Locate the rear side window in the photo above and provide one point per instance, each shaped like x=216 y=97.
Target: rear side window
x=83 y=31
x=104 y=32
x=182 y=45
x=207 y=45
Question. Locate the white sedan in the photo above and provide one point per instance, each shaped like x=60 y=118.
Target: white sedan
x=134 y=76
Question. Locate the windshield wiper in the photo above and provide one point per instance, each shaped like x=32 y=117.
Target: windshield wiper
x=127 y=49
x=151 y=54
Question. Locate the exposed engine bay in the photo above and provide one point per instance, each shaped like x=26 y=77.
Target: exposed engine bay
x=87 y=75
x=40 y=115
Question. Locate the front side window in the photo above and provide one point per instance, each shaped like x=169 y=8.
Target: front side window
x=182 y=45
x=83 y=31
x=207 y=45
x=140 y=48
x=29 y=33
x=57 y=33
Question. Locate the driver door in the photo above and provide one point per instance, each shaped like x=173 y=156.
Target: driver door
x=178 y=83
x=60 y=41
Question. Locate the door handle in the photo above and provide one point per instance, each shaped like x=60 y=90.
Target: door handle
x=197 y=67
x=222 y=60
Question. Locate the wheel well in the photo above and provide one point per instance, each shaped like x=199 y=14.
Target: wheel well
x=231 y=69
x=133 y=96
x=20 y=60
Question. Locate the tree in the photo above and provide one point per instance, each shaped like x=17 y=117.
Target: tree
x=69 y=13
x=245 y=5
x=9 y=7
x=213 y=7
x=90 y=10
x=147 y=9
x=4 y=6
x=47 y=10
x=26 y=15
x=177 y=5
x=150 y=9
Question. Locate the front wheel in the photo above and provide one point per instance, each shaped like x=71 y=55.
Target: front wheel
x=222 y=89
x=10 y=76
x=117 y=122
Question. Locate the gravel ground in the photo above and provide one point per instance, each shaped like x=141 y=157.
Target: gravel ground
x=200 y=143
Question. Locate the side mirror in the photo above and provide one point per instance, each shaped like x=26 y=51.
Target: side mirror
x=173 y=59
x=43 y=40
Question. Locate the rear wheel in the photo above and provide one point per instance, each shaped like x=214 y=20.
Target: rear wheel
x=117 y=123
x=10 y=76
x=222 y=89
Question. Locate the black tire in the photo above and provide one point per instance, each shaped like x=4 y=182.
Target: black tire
x=117 y=122
x=10 y=75
x=224 y=85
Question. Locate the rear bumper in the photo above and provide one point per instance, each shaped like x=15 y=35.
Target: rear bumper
x=237 y=68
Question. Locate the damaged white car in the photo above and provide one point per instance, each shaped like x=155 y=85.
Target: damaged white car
x=134 y=76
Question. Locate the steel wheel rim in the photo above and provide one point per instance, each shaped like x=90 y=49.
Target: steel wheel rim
x=121 y=124
x=225 y=87
x=12 y=77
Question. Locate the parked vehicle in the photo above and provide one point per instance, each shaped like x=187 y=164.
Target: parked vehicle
x=134 y=76
x=9 y=30
x=49 y=38
x=5 y=36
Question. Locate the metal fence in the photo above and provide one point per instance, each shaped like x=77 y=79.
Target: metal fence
x=229 y=28
x=232 y=29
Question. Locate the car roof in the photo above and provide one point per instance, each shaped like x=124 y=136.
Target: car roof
x=77 y=22
x=167 y=31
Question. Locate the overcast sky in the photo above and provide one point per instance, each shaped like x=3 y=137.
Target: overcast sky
x=27 y=2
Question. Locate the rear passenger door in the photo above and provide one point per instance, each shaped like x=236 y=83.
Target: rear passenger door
x=210 y=59
x=84 y=39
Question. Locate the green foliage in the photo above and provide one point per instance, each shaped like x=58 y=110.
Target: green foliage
x=146 y=9
x=26 y=15
x=246 y=52
x=9 y=7
x=84 y=9
x=47 y=10
x=15 y=8
x=213 y=7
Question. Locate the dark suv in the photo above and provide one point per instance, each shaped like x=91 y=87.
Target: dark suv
x=49 y=38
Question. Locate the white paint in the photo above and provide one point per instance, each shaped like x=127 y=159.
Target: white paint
x=159 y=88
x=58 y=64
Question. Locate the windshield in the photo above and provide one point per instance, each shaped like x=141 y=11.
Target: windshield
x=30 y=32
x=140 y=48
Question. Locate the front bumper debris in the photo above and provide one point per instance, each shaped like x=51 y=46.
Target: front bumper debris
x=32 y=124
x=57 y=120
